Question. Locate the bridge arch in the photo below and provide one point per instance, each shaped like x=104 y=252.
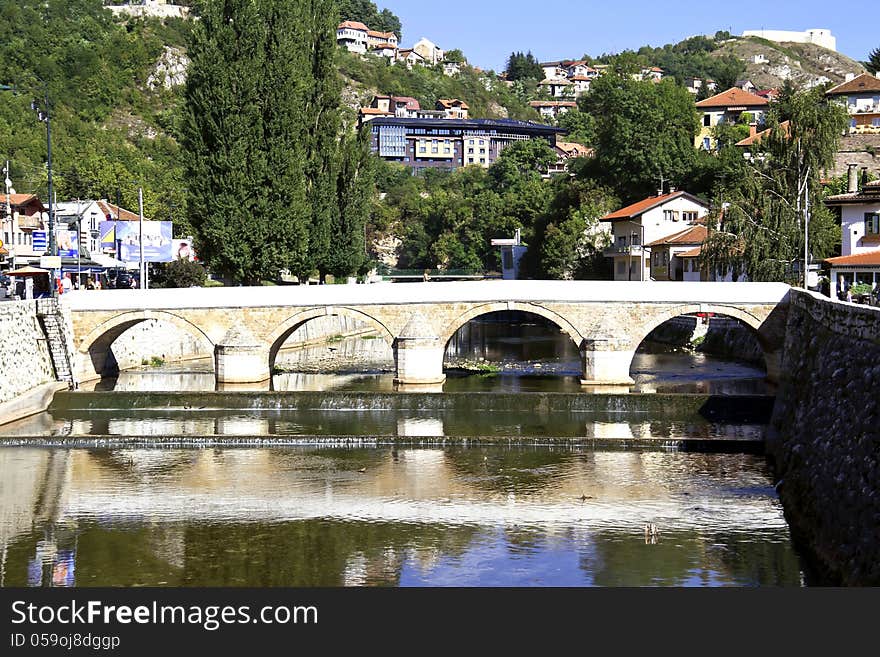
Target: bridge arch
x=93 y=351
x=283 y=331
x=643 y=329
x=534 y=309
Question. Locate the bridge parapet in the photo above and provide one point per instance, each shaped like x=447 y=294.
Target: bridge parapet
x=606 y=320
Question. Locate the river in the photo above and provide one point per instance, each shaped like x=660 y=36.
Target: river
x=510 y=477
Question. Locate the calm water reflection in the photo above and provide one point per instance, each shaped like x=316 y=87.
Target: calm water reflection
x=328 y=517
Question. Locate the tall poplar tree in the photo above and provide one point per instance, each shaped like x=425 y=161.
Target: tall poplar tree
x=274 y=182
x=221 y=132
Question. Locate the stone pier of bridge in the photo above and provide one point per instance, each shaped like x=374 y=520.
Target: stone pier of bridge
x=244 y=328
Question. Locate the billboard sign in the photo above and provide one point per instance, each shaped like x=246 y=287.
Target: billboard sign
x=40 y=241
x=124 y=236
x=183 y=250
x=68 y=243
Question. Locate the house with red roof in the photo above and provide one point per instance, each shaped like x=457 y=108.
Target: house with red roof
x=727 y=107
x=861 y=97
x=21 y=216
x=453 y=108
x=859 y=208
x=661 y=222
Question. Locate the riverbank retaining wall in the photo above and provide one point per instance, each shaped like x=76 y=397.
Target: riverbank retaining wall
x=24 y=353
x=27 y=378
x=724 y=337
x=825 y=436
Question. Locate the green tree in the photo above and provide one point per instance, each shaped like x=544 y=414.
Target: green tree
x=758 y=229
x=523 y=67
x=643 y=130
x=269 y=172
x=179 y=273
x=873 y=63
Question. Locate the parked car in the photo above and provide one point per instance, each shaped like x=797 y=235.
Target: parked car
x=124 y=281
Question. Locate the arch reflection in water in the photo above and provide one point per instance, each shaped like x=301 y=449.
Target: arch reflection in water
x=304 y=517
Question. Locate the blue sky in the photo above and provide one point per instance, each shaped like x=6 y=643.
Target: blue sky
x=489 y=30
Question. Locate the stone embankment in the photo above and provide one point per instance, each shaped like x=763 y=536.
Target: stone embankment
x=826 y=436
x=27 y=378
x=723 y=337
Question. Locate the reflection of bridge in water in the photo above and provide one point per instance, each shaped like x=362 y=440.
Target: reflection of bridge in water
x=409 y=485
x=244 y=328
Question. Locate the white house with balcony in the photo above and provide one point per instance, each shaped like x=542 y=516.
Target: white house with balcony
x=354 y=36
x=646 y=222
x=859 y=261
x=861 y=97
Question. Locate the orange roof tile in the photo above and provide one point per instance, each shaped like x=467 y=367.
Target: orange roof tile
x=869 y=258
x=785 y=126
x=376 y=111
x=19 y=199
x=863 y=84
x=353 y=25
x=734 y=97
x=691 y=235
x=114 y=211
x=640 y=208
x=693 y=253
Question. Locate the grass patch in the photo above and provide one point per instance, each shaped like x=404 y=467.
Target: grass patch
x=370 y=337
x=212 y=283
x=153 y=361
x=336 y=338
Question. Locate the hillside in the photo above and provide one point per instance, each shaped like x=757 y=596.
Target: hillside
x=802 y=64
x=487 y=96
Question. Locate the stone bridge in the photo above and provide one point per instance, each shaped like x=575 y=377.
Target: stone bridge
x=245 y=327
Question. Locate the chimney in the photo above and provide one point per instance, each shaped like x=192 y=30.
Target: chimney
x=672 y=189
x=852 y=179
x=753 y=129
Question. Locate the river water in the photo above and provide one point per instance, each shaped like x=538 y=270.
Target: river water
x=381 y=508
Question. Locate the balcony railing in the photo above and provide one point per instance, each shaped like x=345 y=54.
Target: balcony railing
x=626 y=250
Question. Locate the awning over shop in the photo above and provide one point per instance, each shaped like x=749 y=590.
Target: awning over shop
x=27 y=271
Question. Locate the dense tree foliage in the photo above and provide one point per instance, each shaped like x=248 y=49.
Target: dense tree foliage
x=523 y=67
x=111 y=131
x=179 y=273
x=268 y=175
x=644 y=131
x=873 y=63
x=487 y=96
x=758 y=227
x=367 y=13
x=448 y=219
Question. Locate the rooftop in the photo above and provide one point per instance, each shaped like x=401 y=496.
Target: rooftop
x=471 y=124
x=785 y=126
x=733 y=97
x=869 y=258
x=640 y=208
x=865 y=83
x=691 y=235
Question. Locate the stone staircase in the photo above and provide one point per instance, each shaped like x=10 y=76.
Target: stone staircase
x=49 y=316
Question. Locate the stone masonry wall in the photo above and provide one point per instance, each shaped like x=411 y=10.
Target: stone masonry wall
x=25 y=362
x=155 y=338
x=826 y=436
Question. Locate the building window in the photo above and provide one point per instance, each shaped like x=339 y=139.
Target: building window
x=621 y=267
x=875 y=122
x=690 y=217
x=872 y=223
x=621 y=241
x=670 y=215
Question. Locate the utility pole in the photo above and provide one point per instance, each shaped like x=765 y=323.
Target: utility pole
x=141 y=268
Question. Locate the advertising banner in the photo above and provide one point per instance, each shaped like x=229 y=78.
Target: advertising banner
x=68 y=243
x=124 y=236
